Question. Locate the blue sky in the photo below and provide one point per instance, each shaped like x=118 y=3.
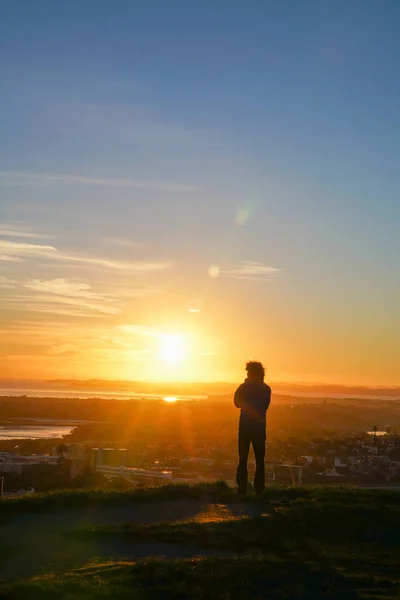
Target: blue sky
x=143 y=143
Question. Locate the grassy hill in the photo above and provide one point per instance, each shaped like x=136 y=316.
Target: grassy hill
x=294 y=543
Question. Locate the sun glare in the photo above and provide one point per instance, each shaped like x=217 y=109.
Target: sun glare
x=170 y=399
x=172 y=348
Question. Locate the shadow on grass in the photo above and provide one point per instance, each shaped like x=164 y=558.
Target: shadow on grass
x=320 y=523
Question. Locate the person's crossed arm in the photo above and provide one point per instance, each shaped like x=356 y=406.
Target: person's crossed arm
x=238 y=398
x=267 y=397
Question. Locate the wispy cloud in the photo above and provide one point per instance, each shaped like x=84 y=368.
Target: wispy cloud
x=6 y=283
x=63 y=287
x=20 y=178
x=104 y=307
x=42 y=295
x=73 y=293
x=18 y=232
x=43 y=327
x=250 y=270
x=8 y=258
x=139 y=330
x=123 y=243
x=19 y=249
x=61 y=305
x=14 y=251
x=45 y=306
x=61 y=350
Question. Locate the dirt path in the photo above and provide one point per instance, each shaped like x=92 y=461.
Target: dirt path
x=41 y=543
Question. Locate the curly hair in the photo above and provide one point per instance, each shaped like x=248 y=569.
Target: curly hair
x=255 y=369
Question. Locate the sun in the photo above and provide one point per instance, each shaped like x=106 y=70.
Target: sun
x=172 y=348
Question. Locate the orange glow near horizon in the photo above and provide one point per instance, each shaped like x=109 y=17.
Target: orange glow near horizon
x=191 y=347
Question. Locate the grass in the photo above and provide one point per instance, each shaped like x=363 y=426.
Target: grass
x=245 y=578
x=337 y=520
x=217 y=491
x=95 y=497
x=304 y=543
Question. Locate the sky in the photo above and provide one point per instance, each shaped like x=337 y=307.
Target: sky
x=185 y=186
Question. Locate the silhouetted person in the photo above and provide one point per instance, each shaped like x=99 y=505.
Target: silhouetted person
x=253 y=398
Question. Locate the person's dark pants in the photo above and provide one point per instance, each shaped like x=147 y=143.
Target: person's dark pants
x=256 y=437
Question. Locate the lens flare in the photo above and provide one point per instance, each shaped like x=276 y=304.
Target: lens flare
x=244 y=213
x=214 y=271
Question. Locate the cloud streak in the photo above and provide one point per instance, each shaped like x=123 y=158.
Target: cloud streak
x=21 y=178
x=250 y=270
x=17 y=251
x=63 y=287
x=139 y=330
x=44 y=295
x=10 y=231
x=123 y=243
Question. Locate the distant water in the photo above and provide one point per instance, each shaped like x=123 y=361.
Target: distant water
x=46 y=393
x=333 y=396
x=37 y=432
x=126 y=395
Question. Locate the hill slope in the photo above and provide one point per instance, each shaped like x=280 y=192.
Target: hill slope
x=202 y=542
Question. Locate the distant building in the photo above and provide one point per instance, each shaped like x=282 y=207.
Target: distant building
x=108 y=457
x=305 y=460
x=78 y=456
x=338 y=463
x=13 y=463
x=330 y=473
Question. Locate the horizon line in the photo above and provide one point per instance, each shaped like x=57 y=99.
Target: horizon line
x=204 y=382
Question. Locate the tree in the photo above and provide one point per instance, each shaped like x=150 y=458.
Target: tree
x=61 y=449
x=63 y=462
x=374 y=429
